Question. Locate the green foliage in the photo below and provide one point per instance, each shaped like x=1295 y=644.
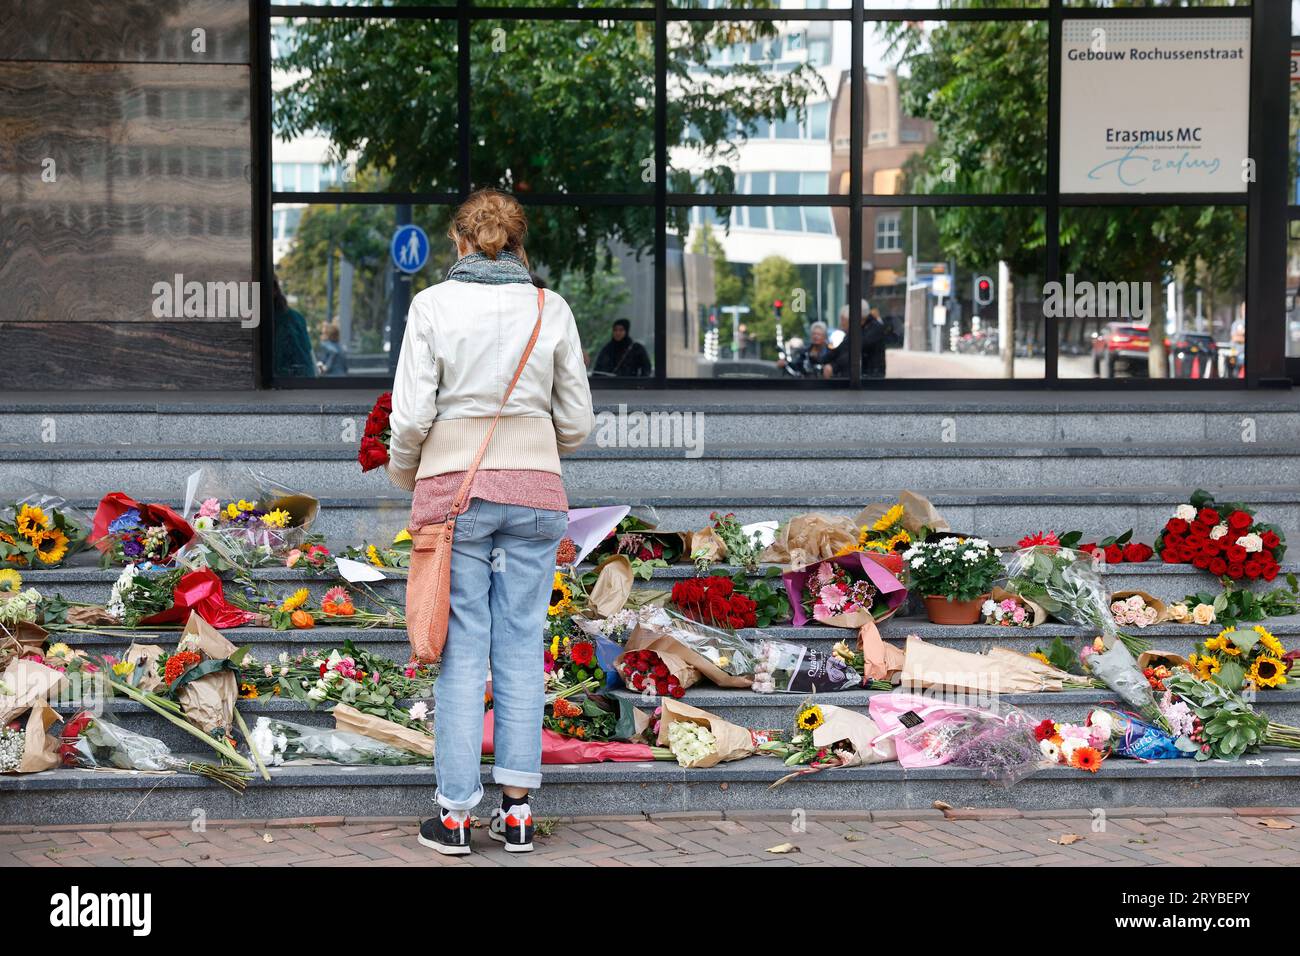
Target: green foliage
x=775 y=277
x=1233 y=605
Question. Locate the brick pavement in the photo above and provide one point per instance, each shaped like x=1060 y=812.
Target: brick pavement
x=1265 y=836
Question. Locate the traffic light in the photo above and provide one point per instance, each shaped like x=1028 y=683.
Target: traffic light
x=776 y=305
x=983 y=290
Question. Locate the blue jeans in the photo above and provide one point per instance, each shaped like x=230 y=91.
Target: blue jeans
x=502 y=569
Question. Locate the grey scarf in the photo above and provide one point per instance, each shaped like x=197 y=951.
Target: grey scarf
x=476 y=267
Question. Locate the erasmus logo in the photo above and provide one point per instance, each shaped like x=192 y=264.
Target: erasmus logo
x=76 y=909
x=179 y=299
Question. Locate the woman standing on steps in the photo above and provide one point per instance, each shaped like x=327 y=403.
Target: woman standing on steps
x=464 y=341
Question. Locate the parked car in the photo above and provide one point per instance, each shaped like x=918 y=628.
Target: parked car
x=1120 y=344
x=1194 y=353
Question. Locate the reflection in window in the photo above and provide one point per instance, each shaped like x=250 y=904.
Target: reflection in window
x=889 y=231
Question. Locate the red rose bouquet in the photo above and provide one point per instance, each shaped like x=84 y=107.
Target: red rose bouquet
x=646 y=672
x=714 y=600
x=1118 y=549
x=374 y=443
x=1225 y=540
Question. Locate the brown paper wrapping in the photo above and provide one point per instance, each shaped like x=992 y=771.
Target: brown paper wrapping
x=669 y=651
x=808 y=538
x=880 y=661
x=349 y=718
x=40 y=750
x=31 y=683
x=1001 y=671
x=91 y=617
x=613 y=586
x=1039 y=612
x=302 y=508
x=859 y=730
x=1162 y=609
x=20 y=640
x=1153 y=657
x=733 y=742
x=706 y=545
x=145 y=658
x=209 y=702
x=918 y=513
x=654 y=637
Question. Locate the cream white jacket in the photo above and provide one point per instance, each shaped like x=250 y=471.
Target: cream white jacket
x=463 y=341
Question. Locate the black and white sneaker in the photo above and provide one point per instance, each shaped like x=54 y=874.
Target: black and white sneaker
x=513 y=827
x=448 y=833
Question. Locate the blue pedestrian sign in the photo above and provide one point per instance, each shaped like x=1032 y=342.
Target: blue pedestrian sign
x=410 y=248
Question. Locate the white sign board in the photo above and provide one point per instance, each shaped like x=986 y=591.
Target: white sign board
x=1155 y=106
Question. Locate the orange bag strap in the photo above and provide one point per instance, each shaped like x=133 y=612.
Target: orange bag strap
x=458 y=503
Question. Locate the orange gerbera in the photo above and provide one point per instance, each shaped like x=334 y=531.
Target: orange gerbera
x=1086 y=758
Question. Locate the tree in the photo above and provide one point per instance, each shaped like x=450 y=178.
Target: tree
x=596 y=300
x=775 y=278
x=558 y=107
x=984 y=85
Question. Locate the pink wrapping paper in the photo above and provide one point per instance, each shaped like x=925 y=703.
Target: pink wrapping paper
x=556 y=748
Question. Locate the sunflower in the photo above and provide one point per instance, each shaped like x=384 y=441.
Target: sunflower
x=1267 y=672
x=561 y=596
x=1086 y=758
x=888 y=519
x=810 y=718
x=1269 y=642
x=1040 y=656
x=51 y=546
x=372 y=555
x=401 y=536
x=18 y=559
x=1223 y=643
x=248 y=691
x=10 y=581
x=899 y=537
x=1206 y=665
x=295 y=600
x=850 y=549
x=31 y=519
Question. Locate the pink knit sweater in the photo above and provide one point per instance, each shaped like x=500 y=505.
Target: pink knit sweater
x=506 y=486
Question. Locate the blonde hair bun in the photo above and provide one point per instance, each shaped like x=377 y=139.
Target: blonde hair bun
x=491 y=221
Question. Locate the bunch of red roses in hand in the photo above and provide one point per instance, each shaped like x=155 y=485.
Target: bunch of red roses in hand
x=714 y=600
x=374 y=443
x=1224 y=540
x=643 y=671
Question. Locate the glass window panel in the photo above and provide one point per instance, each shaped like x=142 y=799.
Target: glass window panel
x=376 y=97
x=1293 y=293
x=724 y=272
x=1128 y=270
x=756 y=110
x=564 y=106
x=939 y=325
x=786 y=182
x=936 y=120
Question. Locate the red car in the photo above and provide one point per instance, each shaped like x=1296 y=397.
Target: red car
x=1121 y=344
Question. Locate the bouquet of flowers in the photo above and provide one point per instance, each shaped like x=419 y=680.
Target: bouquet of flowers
x=648 y=673
x=1068 y=586
x=128 y=532
x=847 y=591
x=1071 y=745
x=1127 y=736
x=281 y=741
x=1237 y=656
x=1136 y=609
x=337 y=609
x=145 y=596
x=1118 y=550
x=645 y=547
x=714 y=600
x=40 y=531
x=785 y=668
x=1225 y=725
x=705 y=740
x=742 y=547
x=396 y=556
x=996 y=740
x=1225 y=540
x=1114 y=666
x=687 y=647
x=1233 y=605
x=1009 y=612
x=373 y=452
x=93 y=742
x=828 y=736
x=568 y=660
x=582 y=715
x=955 y=568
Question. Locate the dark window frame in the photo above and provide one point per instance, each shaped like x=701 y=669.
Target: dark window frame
x=1268 y=211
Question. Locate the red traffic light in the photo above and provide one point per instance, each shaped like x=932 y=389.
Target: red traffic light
x=777 y=303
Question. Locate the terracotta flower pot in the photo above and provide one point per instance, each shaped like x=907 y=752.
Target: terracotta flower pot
x=942 y=611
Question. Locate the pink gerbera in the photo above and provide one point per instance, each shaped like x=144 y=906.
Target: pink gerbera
x=832 y=597
x=335 y=595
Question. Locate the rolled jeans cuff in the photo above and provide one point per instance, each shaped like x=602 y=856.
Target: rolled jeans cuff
x=516 y=778
x=469 y=804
